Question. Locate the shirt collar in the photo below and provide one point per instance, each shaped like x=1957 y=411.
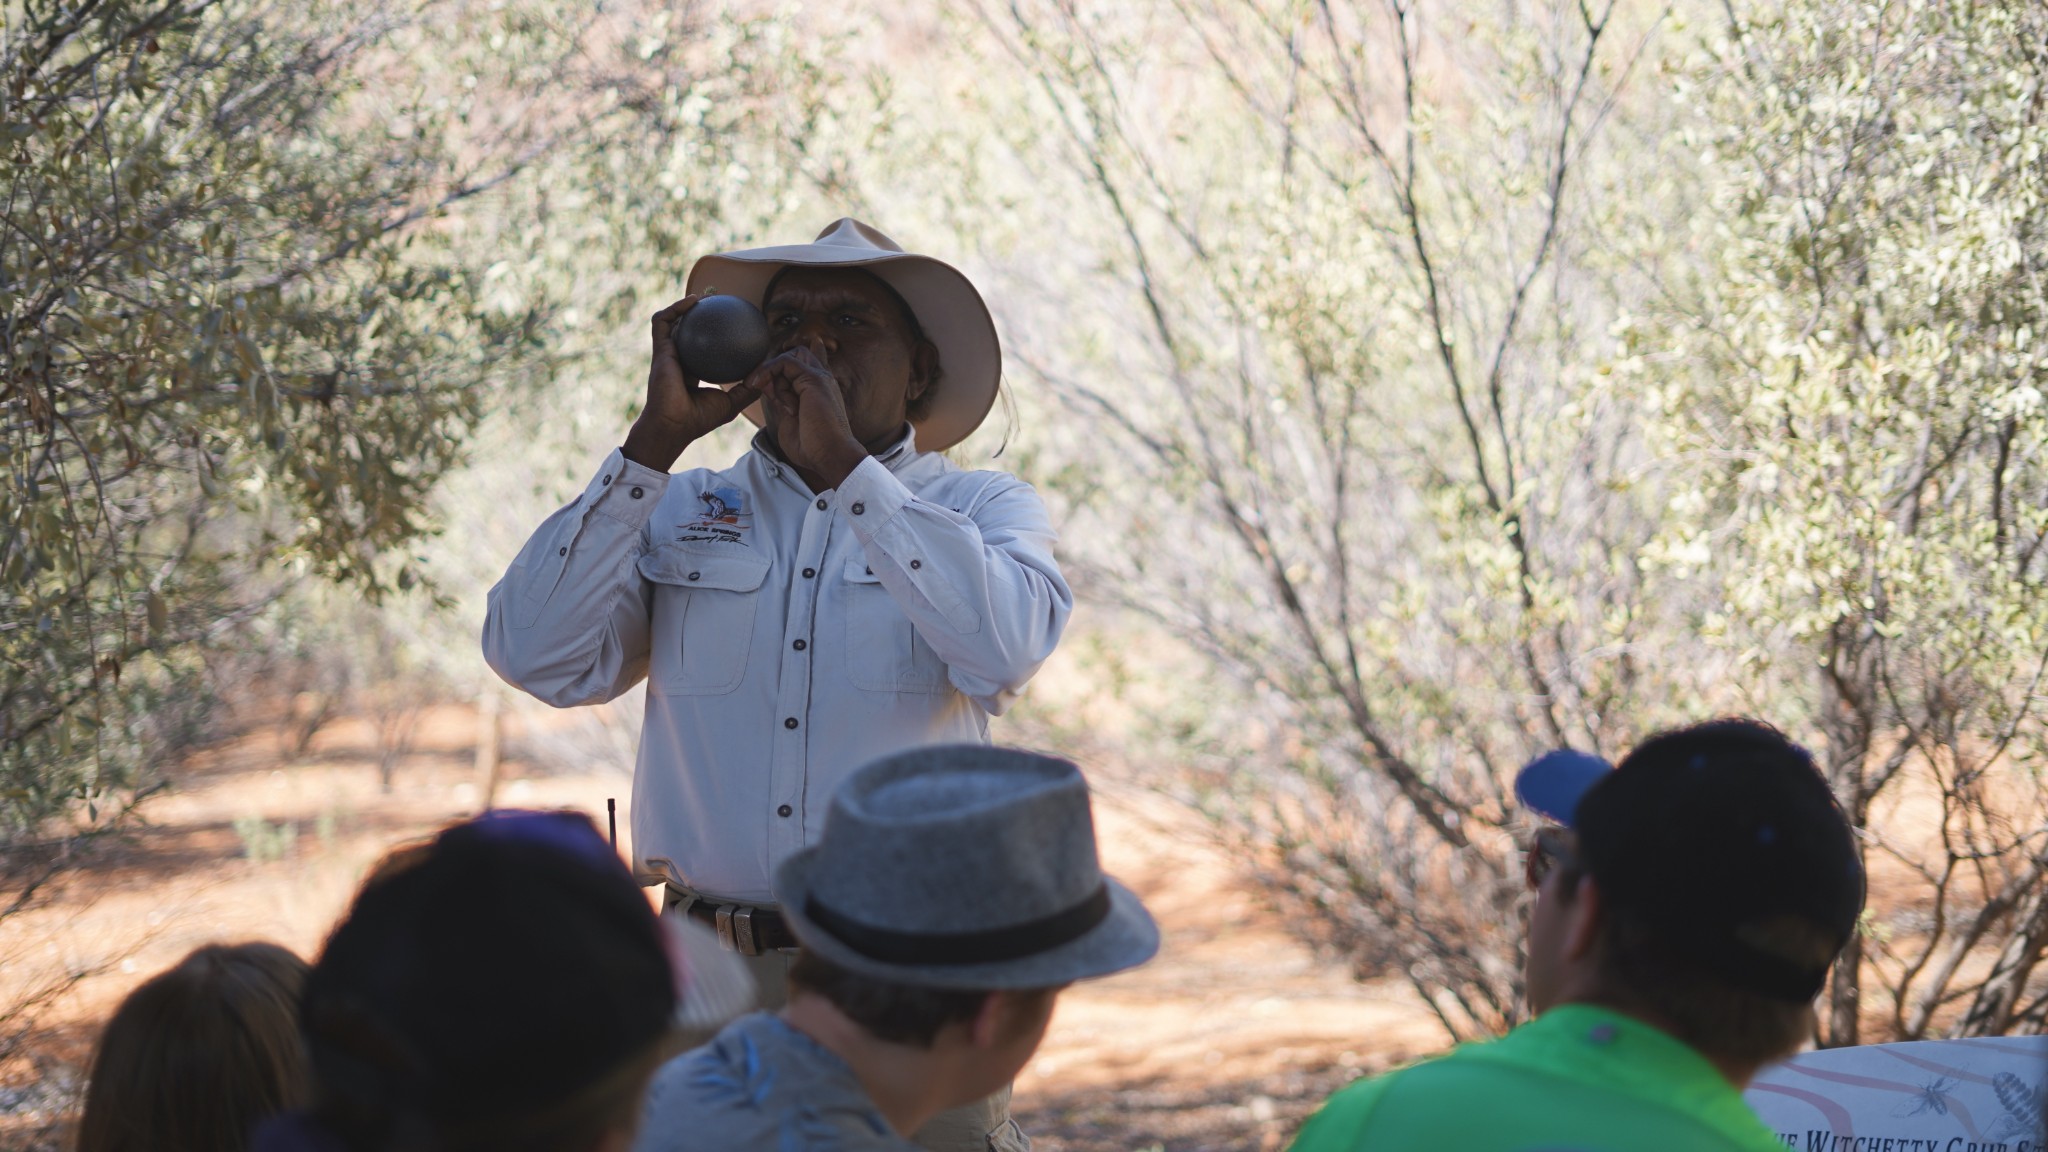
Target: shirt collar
x=1599 y=1045
x=827 y=1062
x=896 y=456
x=900 y=454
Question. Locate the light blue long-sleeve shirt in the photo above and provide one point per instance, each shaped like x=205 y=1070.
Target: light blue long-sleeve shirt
x=787 y=637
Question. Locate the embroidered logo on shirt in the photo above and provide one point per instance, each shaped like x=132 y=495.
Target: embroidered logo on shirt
x=725 y=518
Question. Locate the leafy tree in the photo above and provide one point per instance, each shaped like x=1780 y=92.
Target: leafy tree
x=1851 y=389
x=1322 y=357
x=1467 y=380
x=265 y=267
x=215 y=315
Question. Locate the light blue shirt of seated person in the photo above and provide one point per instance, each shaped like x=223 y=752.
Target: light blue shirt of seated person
x=760 y=1084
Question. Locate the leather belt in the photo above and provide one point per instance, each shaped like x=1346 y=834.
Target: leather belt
x=743 y=928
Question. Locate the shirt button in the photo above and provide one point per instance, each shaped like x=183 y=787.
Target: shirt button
x=810 y=572
x=694 y=575
x=783 y=811
x=799 y=645
x=562 y=551
x=638 y=492
x=917 y=563
x=821 y=505
x=789 y=723
x=607 y=479
x=1603 y=1034
x=859 y=508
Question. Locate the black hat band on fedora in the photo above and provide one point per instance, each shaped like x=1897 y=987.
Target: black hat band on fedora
x=986 y=946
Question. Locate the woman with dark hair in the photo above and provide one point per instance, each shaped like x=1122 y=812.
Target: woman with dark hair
x=199 y=1055
x=504 y=988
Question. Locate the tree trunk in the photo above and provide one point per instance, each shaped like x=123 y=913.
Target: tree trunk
x=1992 y=1011
x=1847 y=683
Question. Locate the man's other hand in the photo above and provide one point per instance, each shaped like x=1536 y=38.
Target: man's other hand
x=679 y=410
x=811 y=426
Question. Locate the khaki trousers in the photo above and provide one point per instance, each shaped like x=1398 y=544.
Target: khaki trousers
x=983 y=1126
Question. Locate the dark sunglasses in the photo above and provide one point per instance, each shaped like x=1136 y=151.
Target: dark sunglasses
x=1551 y=848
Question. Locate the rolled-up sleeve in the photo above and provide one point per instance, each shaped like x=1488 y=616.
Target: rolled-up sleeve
x=979 y=584
x=568 y=622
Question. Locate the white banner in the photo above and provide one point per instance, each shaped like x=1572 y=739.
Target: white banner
x=1982 y=1095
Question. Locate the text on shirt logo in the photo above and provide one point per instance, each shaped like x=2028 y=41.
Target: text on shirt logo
x=725 y=518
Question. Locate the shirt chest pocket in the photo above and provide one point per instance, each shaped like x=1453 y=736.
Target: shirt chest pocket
x=702 y=623
x=884 y=653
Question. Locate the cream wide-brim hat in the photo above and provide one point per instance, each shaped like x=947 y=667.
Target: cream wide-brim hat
x=947 y=307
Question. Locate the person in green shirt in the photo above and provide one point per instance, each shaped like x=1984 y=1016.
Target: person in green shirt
x=1688 y=906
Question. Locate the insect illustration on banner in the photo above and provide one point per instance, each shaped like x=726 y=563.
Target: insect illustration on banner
x=2024 y=1111
x=1932 y=1097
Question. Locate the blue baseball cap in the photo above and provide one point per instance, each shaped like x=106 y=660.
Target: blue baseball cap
x=1552 y=783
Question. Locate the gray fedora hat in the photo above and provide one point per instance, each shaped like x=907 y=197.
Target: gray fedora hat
x=947 y=307
x=964 y=866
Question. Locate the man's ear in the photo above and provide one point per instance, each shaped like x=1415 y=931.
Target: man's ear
x=1585 y=917
x=987 y=1025
x=924 y=372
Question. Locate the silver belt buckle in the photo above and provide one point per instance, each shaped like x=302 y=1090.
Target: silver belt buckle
x=736 y=929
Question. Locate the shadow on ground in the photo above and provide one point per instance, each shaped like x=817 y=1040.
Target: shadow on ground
x=1256 y=1115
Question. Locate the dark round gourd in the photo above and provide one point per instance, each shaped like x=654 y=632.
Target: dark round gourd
x=721 y=340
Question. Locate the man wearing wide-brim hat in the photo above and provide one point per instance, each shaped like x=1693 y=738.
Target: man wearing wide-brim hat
x=955 y=892
x=838 y=593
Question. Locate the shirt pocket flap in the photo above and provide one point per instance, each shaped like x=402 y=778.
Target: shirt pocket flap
x=684 y=568
x=858 y=572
